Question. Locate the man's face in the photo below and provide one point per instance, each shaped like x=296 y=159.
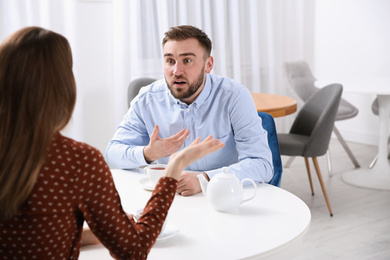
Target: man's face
x=185 y=68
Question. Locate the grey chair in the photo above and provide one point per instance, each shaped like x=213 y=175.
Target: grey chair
x=311 y=130
x=135 y=86
x=375 y=110
x=301 y=80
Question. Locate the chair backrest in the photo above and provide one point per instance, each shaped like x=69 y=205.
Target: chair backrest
x=135 y=86
x=268 y=123
x=316 y=119
x=300 y=78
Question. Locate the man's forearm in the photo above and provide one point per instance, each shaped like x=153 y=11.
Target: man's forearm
x=123 y=156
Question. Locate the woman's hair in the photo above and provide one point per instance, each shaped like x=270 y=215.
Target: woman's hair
x=184 y=32
x=37 y=98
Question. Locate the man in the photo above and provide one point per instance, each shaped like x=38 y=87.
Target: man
x=169 y=114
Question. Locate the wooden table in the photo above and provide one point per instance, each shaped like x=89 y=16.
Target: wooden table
x=276 y=105
x=271 y=225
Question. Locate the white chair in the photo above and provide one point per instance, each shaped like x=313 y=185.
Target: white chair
x=374 y=108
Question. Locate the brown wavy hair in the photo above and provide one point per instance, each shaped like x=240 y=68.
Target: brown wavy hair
x=37 y=98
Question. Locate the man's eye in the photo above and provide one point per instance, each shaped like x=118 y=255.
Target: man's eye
x=187 y=60
x=170 y=61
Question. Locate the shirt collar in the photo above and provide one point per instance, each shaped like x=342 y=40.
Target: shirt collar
x=205 y=92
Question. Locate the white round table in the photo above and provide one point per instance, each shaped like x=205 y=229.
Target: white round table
x=377 y=177
x=269 y=226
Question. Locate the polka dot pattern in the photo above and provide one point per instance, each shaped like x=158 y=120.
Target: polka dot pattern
x=75 y=185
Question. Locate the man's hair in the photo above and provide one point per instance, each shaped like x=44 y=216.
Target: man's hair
x=184 y=32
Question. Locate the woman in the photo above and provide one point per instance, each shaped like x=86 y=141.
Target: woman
x=50 y=184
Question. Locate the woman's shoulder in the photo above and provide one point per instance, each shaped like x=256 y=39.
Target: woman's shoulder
x=73 y=148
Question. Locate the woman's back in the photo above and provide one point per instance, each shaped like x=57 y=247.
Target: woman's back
x=74 y=183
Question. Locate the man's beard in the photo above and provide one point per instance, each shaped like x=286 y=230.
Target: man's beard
x=180 y=94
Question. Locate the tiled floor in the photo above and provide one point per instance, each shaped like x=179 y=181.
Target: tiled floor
x=360 y=227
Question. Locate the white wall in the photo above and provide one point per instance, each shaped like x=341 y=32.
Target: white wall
x=92 y=55
x=352 y=39
x=88 y=27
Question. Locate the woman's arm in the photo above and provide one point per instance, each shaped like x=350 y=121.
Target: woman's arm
x=178 y=161
x=106 y=218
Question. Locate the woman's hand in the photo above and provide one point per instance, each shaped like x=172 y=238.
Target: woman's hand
x=178 y=161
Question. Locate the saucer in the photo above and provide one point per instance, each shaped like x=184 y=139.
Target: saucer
x=146 y=184
x=169 y=231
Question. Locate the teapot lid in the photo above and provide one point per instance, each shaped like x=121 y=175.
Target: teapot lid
x=225 y=174
x=225 y=169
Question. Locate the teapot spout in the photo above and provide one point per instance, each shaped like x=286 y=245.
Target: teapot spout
x=203 y=183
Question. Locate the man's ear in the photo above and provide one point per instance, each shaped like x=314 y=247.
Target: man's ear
x=209 y=64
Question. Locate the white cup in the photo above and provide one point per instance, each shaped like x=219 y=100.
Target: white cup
x=138 y=214
x=154 y=172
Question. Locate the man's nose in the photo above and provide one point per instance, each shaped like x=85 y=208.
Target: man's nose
x=178 y=70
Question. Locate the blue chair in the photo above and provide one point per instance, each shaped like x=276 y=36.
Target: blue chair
x=269 y=125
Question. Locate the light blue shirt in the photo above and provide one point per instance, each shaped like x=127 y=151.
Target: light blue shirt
x=224 y=109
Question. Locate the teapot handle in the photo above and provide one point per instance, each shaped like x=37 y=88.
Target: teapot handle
x=254 y=186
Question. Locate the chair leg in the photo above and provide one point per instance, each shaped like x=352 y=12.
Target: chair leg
x=289 y=161
x=376 y=157
x=322 y=184
x=330 y=171
x=309 y=174
x=373 y=161
x=346 y=148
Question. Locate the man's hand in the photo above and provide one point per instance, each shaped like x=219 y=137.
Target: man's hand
x=178 y=161
x=188 y=184
x=160 y=148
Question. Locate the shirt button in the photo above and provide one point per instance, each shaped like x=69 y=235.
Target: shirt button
x=188 y=109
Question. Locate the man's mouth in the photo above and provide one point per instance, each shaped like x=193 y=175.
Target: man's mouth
x=179 y=82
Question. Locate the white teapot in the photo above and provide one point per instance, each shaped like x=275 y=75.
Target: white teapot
x=224 y=191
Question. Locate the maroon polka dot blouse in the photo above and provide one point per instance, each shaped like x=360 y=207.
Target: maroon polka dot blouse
x=75 y=185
